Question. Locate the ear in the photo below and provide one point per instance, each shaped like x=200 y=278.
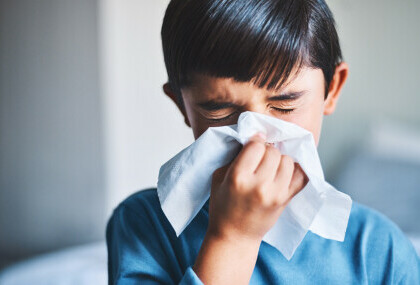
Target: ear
x=169 y=92
x=334 y=90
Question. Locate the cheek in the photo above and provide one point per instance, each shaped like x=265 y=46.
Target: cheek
x=199 y=125
x=314 y=126
x=309 y=118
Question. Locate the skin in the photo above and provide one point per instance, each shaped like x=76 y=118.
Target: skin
x=249 y=194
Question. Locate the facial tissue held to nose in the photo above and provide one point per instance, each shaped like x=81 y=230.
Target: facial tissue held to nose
x=184 y=182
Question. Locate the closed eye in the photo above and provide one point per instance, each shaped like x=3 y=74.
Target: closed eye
x=224 y=118
x=284 y=111
x=281 y=110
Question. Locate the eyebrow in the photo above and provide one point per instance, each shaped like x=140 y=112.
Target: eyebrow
x=212 y=105
x=287 y=96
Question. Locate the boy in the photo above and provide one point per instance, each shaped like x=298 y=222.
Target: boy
x=277 y=57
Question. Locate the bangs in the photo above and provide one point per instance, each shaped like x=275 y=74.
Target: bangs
x=264 y=42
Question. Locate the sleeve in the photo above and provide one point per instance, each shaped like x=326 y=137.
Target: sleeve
x=401 y=264
x=138 y=253
x=408 y=265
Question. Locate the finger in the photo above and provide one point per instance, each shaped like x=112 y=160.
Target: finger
x=284 y=172
x=281 y=182
x=250 y=156
x=219 y=173
x=298 y=182
x=267 y=169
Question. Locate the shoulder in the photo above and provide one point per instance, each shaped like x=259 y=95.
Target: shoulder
x=142 y=207
x=139 y=217
x=373 y=226
x=377 y=231
x=142 y=245
x=380 y=244
x=142 y=212
x=143 y=202
x=366 y=219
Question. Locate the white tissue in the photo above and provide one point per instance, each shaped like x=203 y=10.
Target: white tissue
x=184 y=182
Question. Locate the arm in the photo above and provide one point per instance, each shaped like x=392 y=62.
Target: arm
x=247 y=197
x=139 y=250
x=226 y=260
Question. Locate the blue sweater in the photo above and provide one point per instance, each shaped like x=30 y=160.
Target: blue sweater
x=143 y=249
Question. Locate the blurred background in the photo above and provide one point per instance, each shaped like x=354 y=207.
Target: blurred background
x=84 y=123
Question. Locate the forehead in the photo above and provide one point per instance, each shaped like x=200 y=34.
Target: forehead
x=223 y=89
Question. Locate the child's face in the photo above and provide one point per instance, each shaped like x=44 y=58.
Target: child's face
x=300 y=101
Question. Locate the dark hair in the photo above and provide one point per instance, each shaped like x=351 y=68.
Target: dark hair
x=262 y=41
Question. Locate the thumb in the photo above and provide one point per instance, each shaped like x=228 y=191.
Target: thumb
x=220 y=173
x=219 y=176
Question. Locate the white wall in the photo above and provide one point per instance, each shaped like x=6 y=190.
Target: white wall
x=143 y=127
x=51 y=169
x=381 y=43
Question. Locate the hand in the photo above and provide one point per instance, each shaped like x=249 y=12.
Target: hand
x=247 y=197
x=249 y=194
